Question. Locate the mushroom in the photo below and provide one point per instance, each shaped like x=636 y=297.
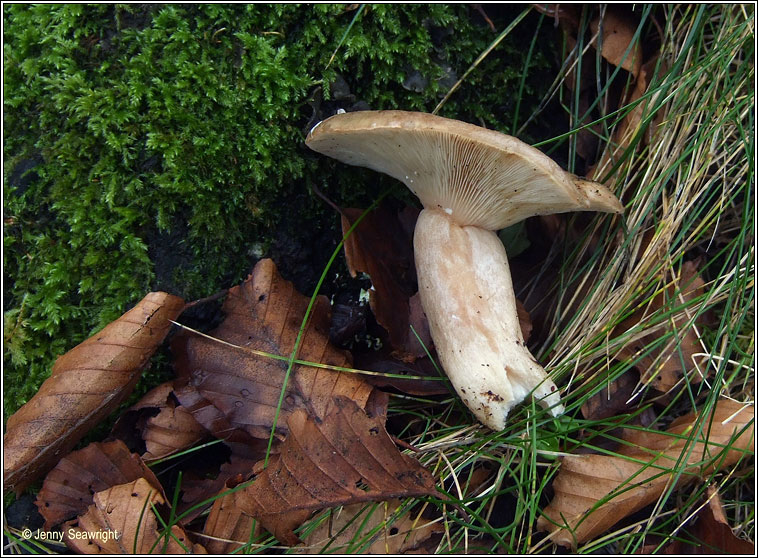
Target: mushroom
x=471 y=182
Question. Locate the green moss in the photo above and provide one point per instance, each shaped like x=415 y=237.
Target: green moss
x=160 y=143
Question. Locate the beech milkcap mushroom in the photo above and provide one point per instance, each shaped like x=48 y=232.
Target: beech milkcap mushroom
x=472 y=182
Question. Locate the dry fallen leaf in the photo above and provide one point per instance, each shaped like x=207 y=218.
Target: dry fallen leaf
x=264 y=314
x=227 y=528
x=661 y=366
x=382 y=246
x=122 y=521
x=617 y=43
x=69 y=487
x=424 y=378
x=164 y=427
x=593 y=492
x=713 y=529
x=245 y=451
x=710 y=534
x=613 y=399
x=369 y=529
x=86 y=384
x=197 y=488
x=346 y=458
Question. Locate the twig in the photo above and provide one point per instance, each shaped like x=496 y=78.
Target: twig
x=478 y=8
x=329 y=202
x=211 y=298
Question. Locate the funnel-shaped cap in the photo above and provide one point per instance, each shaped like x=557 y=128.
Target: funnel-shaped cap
x=477 y=176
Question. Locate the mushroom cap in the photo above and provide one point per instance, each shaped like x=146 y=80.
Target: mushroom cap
x=477 y=176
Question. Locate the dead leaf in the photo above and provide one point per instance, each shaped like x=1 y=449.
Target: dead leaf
x=617 y=43
x=709 y=535
x=382 y=361
x=627 y=129
x=70 y=485
x=164 y=427
x=216 y=422
x=382 y=246
x=197 y=489
x=227 y=528
x=661 y=367
x=524 y=320
x=122 y=521
x=369 y=529
x=246 y=450
x=612 y=400
x=727 y=419
x=593 y=492
x=264 y=314
x=86 y=384
x=346 y=458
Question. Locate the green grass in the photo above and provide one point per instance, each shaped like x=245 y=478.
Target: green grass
x=691 y=188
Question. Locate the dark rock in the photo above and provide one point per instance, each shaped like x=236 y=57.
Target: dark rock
x=22 y=513
x=414 y=81
x=24 y=175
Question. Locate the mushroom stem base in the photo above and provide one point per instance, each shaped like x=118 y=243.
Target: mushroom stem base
x=467 y=294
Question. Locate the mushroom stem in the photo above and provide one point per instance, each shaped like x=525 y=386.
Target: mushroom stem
x=471 y=182
x=467 y=294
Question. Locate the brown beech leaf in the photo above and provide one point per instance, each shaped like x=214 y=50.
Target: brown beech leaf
x=617 y=44
x=710 y=534
x=173 y=429
x=524 y=320
x=198 y=486
x=728 y=419
x=227 y=528
x=264 y=314
x=370 y=529
x=196 y=489
x=346 y=458
x=122 y=521
x=661 y=366
x=713 y=532
x=627 y=128
x=612 y=400
x=86 y=384
x=216 y=423
x=164 y=427
x=383 y=362
x=70 y=485
x=382 y=246
x=593 y=492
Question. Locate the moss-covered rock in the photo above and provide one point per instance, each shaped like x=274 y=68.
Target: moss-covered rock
x=161 y=147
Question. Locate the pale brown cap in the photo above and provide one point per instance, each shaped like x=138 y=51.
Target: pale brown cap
x=477 y=176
